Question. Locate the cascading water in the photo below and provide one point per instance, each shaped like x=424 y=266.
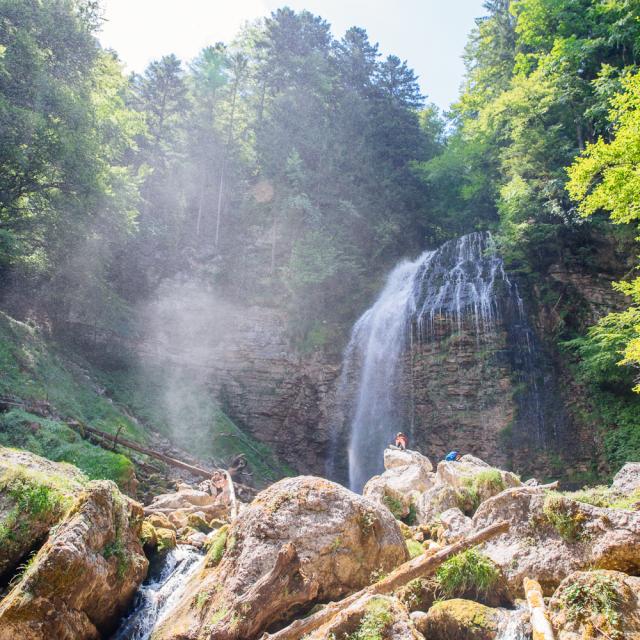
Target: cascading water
x=461 y=283
x=157 y=597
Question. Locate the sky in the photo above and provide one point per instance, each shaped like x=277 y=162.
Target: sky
x=429 y=34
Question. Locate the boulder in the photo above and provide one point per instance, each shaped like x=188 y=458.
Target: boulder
x=35 y=494
x=407 y=475
x=471 y=473
x=83 y=579
x=397 y=458
x=454 y=526
x=460 y=620
x=376 y=616
x=551 y=536
x=302 y=540
x=590 y=604
x=627 y=480
x=435 y=501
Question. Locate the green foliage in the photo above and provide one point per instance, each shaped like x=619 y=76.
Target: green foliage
x=58 y=442
x=565 y=516
x=469 y=572
x=599 y=598
x=394 y=505
x=415 y=548
x=489 y=481
x=377 y=618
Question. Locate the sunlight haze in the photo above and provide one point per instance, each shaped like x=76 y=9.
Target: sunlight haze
x=429 y=34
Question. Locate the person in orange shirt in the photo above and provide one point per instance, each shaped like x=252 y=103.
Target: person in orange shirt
x=402 y=442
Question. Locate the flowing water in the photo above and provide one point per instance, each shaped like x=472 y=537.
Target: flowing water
x=157 y=597
x=461 y=283
x=514 y=625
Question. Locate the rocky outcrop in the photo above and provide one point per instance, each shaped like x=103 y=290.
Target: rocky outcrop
x=590 y=604
x=84 y=577
x=551 y=536
x=407 y=475
x=627 y=480
x=35 y=493
x=302 y=540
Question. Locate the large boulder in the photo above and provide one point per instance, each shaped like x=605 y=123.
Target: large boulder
x=35 y=493
x=551 y=536
x=370 y=617
x=471 y=473
x=85 y=576
x=302 y=540
x=181 y=505
x=590 y=604
x=460 y=620
x=627 y=480
x=407 y=475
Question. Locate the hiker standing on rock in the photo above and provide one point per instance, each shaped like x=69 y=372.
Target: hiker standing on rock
x=402 y=442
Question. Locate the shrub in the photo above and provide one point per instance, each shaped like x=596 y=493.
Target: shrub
x=415 y=548
x=598 y=598
x=469 y=572
x=565 y=517
x=376 y=620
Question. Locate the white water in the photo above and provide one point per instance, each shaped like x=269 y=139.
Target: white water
x=462 y=279
x=156 y=599
x=514 y=625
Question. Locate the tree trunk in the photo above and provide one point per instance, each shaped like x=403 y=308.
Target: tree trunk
x=417 y=568
x=542 y=629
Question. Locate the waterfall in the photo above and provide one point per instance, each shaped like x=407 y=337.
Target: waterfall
x=463 y=281
x=157 y=597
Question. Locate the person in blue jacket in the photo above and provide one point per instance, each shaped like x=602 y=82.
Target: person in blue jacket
x=453 y=456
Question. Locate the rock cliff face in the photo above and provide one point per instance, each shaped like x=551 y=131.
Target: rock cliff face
x=504 y=394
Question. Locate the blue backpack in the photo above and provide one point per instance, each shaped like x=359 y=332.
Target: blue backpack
x=451 y=457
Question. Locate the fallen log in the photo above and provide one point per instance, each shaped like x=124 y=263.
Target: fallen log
x=540 y=624
x=417 y=568
x=119 y=440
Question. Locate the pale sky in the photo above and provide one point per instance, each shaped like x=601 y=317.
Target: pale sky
x=429 y=34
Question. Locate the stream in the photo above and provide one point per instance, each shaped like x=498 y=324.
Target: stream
x=158 y=595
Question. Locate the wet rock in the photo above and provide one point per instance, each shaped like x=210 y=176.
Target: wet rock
x=460 y=620
x=591 y=604
x=84 y=577
x=35 y=493
x=302 y=540
x=627 y=480
x=551 y=536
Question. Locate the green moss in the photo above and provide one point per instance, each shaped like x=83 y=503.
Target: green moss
x=37 y=499
x=602 y=496
x=489 y=481
x=469 y=572
x=376 y=620
x=565 y=517
x=217 y=547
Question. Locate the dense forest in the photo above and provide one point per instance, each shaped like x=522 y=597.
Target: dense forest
x=291 y=167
